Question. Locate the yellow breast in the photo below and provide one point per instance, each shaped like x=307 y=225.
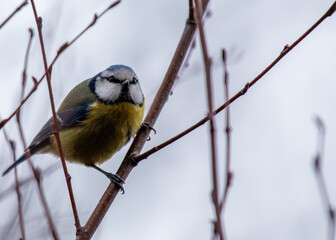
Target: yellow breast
x=105 y=130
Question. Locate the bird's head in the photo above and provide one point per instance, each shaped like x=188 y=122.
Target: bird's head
x=117 y=84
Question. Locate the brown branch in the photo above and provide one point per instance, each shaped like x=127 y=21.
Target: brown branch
x=24 y=73
x=12 y=144
x=207 y=65
x=24 y=3
x=55 y=126
x=37 y=176
x=36 y=173
x=228 y=173
x=320 y=177
x=59 y=52
x=17 y=187
x=159 y=101
x=287 y=49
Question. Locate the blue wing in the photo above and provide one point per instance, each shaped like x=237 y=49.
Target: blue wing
x=65 y=120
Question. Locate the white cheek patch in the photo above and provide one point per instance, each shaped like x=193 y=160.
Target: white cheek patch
x=136 y=94
x=107 y=91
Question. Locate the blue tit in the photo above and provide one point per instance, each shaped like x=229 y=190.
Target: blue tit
x=96 y=119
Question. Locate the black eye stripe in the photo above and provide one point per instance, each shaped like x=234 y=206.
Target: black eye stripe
x=134 y=81
x=113 y=79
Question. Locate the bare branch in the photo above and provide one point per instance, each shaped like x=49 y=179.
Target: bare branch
x=228 y=173
x=59 y=52
x=55 y=127
x=320 y=177
x=207 y=65
x=17 y=187
x=160 y=99
x=24 y=3
x=287 y=49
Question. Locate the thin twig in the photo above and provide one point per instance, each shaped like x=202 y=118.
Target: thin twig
x=36 y=173
x=320 y=177
x=17 y=187
x=55 y=125
x=31 y=34
x=244 y=90
x=24 y=3
x=160 y=99
x=207 y=65
x=59 y=52
x=11 y=143
x=228 y=173
x=24 y=73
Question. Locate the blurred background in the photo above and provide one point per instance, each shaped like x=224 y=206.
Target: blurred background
x=274 y=194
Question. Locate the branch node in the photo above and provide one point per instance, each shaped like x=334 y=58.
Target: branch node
x=331 y=10
x=62 y=48
x=35 y=82
x=245 y=89
x=39 y=22
x=285 y=49
x=133 y=158
x=191 y=17
x=3 y=123
x=31 y=32
x=332 y=214
x=113 y=4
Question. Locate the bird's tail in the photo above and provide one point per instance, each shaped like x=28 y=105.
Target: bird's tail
x=17 y=162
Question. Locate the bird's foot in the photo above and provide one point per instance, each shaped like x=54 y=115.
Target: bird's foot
x=146 y=125
x=117 y=180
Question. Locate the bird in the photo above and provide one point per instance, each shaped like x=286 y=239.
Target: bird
x=95 y=120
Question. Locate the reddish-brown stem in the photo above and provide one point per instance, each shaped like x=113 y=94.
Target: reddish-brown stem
x=207 y=66
x=24 y=72
x=321 y=180
x=160 y=99
x=37 y=176
x=36 y=173
x=59 y=52
x=228 y=173
x=283 y=53
x=24 y=3
x=55 y=124
x=17 y=187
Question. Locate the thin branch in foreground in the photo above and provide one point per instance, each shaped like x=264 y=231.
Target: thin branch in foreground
x=55 y=127
x=59 y=52
x=36 y=173
x=24 y=73
x=132 y=158
x=287 y=49
x=207 y=65
x=12 y=144
x=160 y=99
x=17 y=187
x=320 y=177
x=228 y=173
x=24 y=3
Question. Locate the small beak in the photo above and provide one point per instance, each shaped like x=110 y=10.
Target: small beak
x=126 y=82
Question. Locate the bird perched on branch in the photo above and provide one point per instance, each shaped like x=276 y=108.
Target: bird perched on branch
x=96 y=119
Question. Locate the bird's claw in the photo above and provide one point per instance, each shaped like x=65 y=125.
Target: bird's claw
x=117 y=180
x=148 y=126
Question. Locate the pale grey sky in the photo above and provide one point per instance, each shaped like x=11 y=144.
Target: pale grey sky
x=274 y=193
